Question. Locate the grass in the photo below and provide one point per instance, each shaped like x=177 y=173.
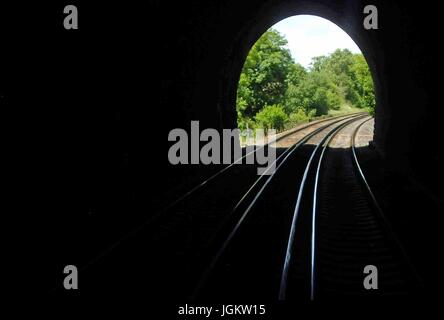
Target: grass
x=344 y=109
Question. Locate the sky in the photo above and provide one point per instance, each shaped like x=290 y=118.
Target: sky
x=311 y=36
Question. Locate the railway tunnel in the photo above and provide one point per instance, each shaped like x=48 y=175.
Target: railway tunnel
x=405 y=132
x=224 y=50
x=396 y=54
x=192 y=75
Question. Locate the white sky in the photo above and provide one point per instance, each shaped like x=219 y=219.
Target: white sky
x=310 y=36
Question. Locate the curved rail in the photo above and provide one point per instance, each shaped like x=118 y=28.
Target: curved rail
x=284 y=156
x=220 y=172
x=159 y=212
x=385 y=222
x=313 y=216
x=288 y=255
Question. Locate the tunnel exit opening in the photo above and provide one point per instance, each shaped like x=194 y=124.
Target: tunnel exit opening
x=243 y=35
x=302 y=68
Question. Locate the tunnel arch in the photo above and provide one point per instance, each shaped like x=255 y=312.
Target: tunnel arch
x=349 y=18
x=315 y=22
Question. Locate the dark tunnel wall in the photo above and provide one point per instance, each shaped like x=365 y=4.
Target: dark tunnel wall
x=98 y=104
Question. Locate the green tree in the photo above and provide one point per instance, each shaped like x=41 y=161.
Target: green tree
x=315 y=92
x=263 y=79
x=296 y=74
x=273 y=89
x=272 y=117
x=364 y=82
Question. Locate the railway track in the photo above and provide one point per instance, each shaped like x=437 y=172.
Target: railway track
x=253 y=251
x=185 y=231
x=353 y=232
x=305 y=231
x=309 y=231
x=344 y=232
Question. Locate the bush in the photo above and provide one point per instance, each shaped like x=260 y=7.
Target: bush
x=298 y=116
x=333 y=100
x=272 y=117
x=320 y=101
x=371 y=111
x=244 y=123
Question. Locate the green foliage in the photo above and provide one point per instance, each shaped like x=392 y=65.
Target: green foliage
x=272 y=117
x=296 y=74
x=333 y=100
x=301 y=116
x=244 y=122
x=316 y=91
x=274 y=91
x=364 y=82
x=264 y=76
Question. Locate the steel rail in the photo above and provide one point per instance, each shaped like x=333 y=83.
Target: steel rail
x=385 y=222
x=288 y=255
x=220 y=172
x=313 y=217
x=285 y=155
x=156 y=215
x=262 y=177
